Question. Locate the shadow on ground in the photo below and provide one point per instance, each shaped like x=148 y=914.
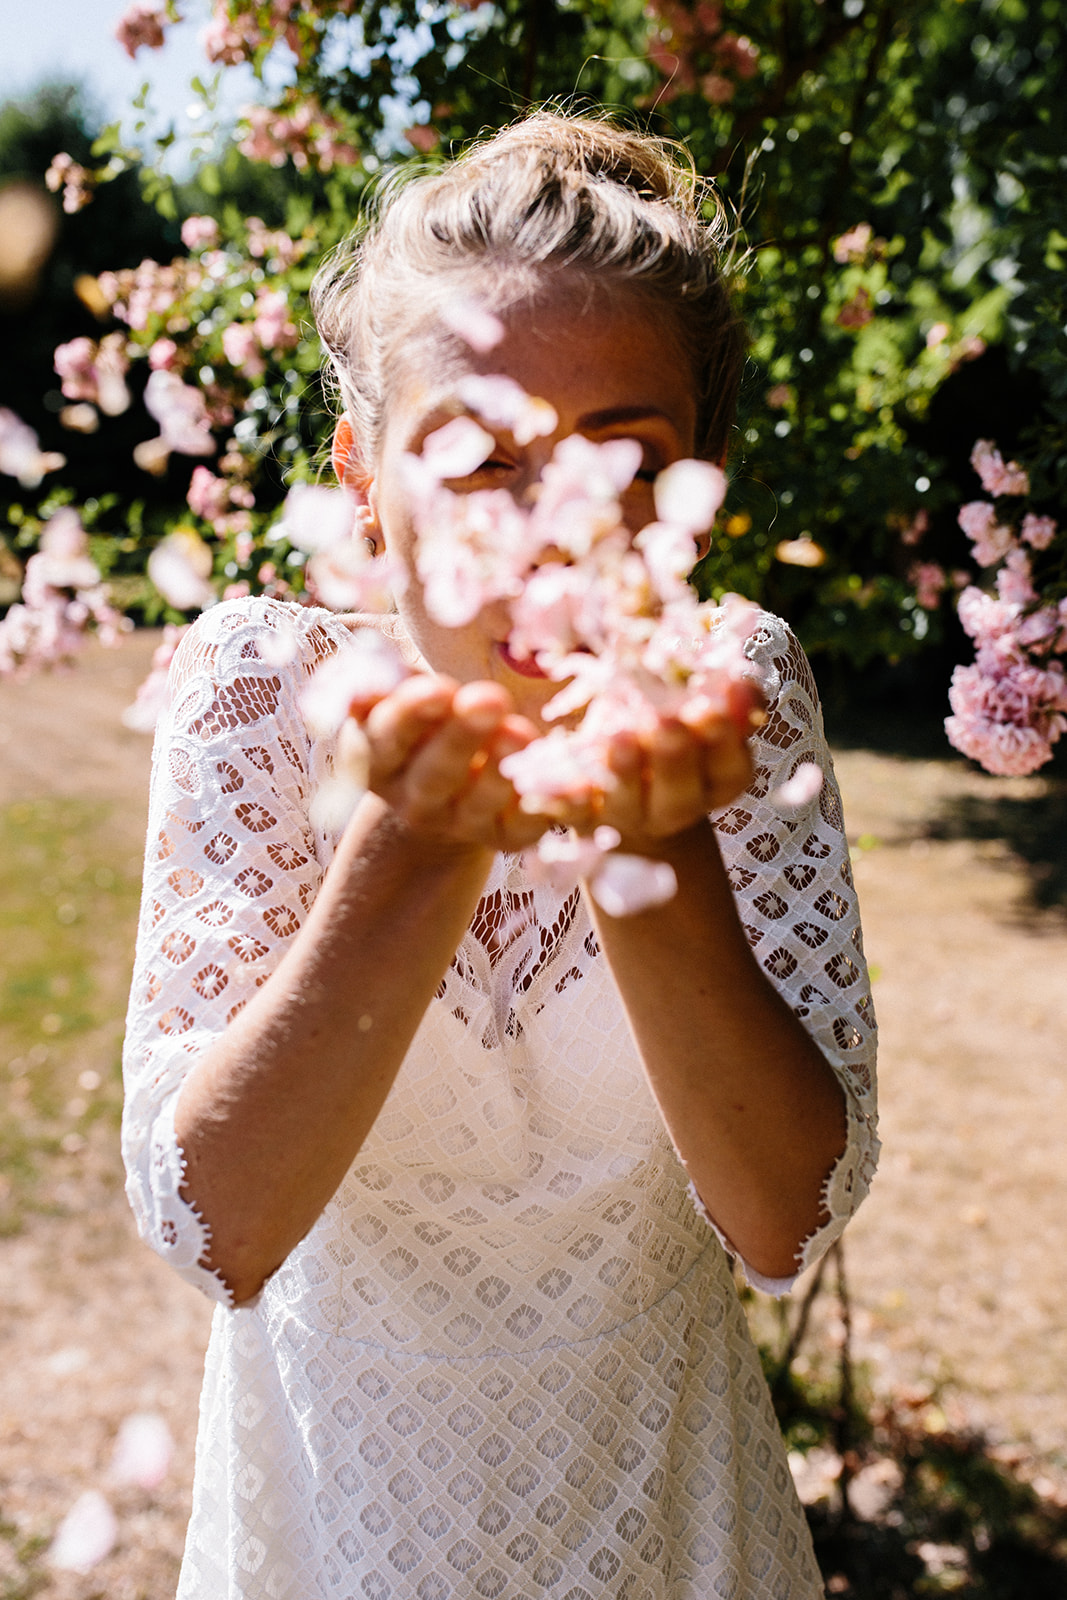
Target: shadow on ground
x=901 y=1504
x=957 y=1523
x=898 y=717
x=1034 y=830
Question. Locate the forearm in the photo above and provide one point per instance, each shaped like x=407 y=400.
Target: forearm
x=751 y=1104
x=273 y=1114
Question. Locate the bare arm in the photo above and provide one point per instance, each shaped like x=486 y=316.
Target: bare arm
x=273 y=1113
x=752 y=1106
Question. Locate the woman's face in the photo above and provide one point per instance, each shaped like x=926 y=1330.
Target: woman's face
x=609 y=372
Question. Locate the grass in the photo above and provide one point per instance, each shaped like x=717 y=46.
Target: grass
x=68 y=906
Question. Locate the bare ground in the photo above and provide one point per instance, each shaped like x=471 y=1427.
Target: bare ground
x=954 y=1262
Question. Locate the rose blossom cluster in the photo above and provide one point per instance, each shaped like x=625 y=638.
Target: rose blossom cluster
x=239 y=28
x=607 y=615
x=301 y=132
x=142 y=27
x=245 y=344
x=137 y=294
x=1010 y=706
x=76 y=182
x=62 y=596
x=224 y=502
x=692 y=50
x=184 y=422
x=21 y=455
x=95 y=372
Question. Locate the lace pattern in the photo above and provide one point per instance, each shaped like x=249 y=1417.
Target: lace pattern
x=510 y=1347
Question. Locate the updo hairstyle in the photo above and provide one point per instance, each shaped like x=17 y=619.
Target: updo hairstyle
x=552 y=197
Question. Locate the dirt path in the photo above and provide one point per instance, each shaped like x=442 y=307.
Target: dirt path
x=954 y=1262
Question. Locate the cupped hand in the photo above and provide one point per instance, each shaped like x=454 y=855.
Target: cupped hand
x=434 y=753
x=671 y=777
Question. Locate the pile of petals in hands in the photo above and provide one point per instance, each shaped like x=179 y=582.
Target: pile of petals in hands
x=607 y=614
x=1010 y=706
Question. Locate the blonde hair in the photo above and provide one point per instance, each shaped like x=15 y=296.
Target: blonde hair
x=552 y=198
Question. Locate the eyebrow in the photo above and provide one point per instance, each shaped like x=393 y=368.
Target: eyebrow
x=613 y=416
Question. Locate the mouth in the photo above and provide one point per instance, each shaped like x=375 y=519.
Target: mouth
x=525 y=666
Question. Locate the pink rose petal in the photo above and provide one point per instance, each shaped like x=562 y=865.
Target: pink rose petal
x=315 y=517
x=457 y=449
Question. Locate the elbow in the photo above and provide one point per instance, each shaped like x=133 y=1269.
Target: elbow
x=243 y=1280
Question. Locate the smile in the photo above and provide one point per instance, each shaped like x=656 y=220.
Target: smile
x=525 y=666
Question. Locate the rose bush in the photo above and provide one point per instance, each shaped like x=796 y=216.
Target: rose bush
x=896 y=177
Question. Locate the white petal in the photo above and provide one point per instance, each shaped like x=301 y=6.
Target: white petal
x=86 y=1534
x=799 y=790
x=368 y=668
x=353 y=754
x=626 y=884
x=315 y=517
x=176 y=569
x=457 y=449
x=333 y=803
x=143 y=1451
x=689 y=493
x=474 y=323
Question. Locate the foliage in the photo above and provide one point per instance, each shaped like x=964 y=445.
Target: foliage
x=896 y=168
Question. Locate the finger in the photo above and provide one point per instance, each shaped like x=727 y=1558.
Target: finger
x=444 y=768
x=397 y=725
x=727 y=767
x=624 y=805
x=675 y=796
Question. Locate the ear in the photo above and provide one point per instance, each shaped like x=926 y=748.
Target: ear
x=347 y=463
x=354 y=478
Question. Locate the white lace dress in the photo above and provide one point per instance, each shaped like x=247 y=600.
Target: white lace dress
x=509 y=1359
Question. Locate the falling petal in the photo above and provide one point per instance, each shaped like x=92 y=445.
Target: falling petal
x=179 y=568
x=86 y=1534
x=457 y=449
x=278 y=646
x=346 y=578
x=803 y=552
x=152 y=455
x=689 y=493
x=82 y=418
x=503 y=403
x=143 y=1451
x=473 y=322
x=627 y=884
x=799 y=790
x=333 y=803
x=353 y=754
x=315 y=518
x=367 y=669
x=560 y=860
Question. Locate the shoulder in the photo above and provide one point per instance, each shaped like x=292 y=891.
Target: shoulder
x=255 y=636
x=778 y=659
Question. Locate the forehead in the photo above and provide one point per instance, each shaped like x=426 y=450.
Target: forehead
x=584 y=351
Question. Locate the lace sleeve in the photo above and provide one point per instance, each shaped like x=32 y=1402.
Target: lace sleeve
x=231 y=868
x=792 y=883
